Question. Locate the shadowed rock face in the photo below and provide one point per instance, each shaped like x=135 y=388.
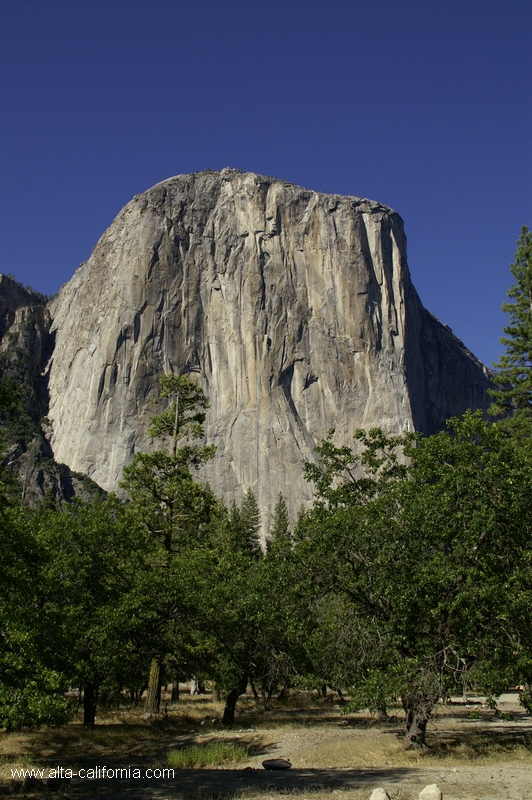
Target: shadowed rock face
x=294 y=308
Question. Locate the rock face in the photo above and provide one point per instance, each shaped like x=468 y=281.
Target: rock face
x=25 y=348
x=295 y=309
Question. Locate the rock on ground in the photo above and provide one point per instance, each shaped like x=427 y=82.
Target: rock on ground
x=379 y=794
x=431 y=792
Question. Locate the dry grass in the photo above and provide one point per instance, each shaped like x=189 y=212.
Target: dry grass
x=310 y=794
x=309 y=731
x=210 y=754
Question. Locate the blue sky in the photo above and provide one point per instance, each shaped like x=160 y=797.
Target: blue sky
x=424 y=105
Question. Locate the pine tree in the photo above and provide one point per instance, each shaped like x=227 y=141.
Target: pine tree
x=250 y=521
x=514 y=397
x=166 y=498
x=168 y=501
x=280 y=537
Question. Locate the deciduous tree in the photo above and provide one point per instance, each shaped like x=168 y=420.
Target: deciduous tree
x=32 y=683
x=423 y=567
x=103 y=612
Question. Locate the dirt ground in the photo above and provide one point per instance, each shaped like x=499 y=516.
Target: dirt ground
x=475 y=753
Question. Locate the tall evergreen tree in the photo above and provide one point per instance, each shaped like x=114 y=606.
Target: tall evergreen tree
x=250 y=522
x=280 y=536
x=171 y=504
x=514 y=395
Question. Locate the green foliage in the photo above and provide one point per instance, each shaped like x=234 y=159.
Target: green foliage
x=243 y=527
x=346 y=476
x=37 y=701
x=183 y=420
x=414 y=574
x=171 y=505
x=515 y=367
x=250 y=524
x=10 y=396
x=525 y=699
x=104 y=607
x=31 y=685
x=175 y=510
x=198 y=756
x=280 y=542
x=10 y=405
x=243 y=610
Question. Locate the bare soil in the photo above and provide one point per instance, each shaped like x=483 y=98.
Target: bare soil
x=474 y=753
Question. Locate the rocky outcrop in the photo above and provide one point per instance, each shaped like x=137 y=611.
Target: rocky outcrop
x=26 y=345
x=294 y=309
x=13 y=296
x=40 y=476
x=25 y=348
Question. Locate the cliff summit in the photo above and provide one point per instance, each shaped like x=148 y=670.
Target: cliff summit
x=295 y=309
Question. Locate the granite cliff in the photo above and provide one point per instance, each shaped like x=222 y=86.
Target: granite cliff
x=295 y=310
x=26 y=345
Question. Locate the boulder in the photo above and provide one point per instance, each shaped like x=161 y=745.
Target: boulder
x=431 y=792
x=379 y=794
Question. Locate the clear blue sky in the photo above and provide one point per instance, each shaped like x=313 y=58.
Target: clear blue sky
x=424 y=105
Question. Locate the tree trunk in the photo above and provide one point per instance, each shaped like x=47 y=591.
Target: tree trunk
x=175 y=690
x=215 y=693
x=152 y=695
x=231 y=701
x=418 y=708
x=416 y=731
x=90 y=694
x=284 y=691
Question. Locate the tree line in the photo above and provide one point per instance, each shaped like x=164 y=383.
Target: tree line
x=408 y=579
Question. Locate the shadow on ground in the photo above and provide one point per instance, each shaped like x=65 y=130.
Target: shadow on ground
x=227 y=784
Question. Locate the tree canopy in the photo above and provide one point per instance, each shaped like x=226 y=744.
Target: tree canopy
x=514 y=376
x=408 y=578
x=160 y=484
x=415 y=581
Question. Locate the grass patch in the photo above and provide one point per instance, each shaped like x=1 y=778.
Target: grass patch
x=478 y=749
x=213 y=754
x=9 y=763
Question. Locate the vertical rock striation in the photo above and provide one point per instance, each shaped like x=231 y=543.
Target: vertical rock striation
x=295 y=309
x=26 y=345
